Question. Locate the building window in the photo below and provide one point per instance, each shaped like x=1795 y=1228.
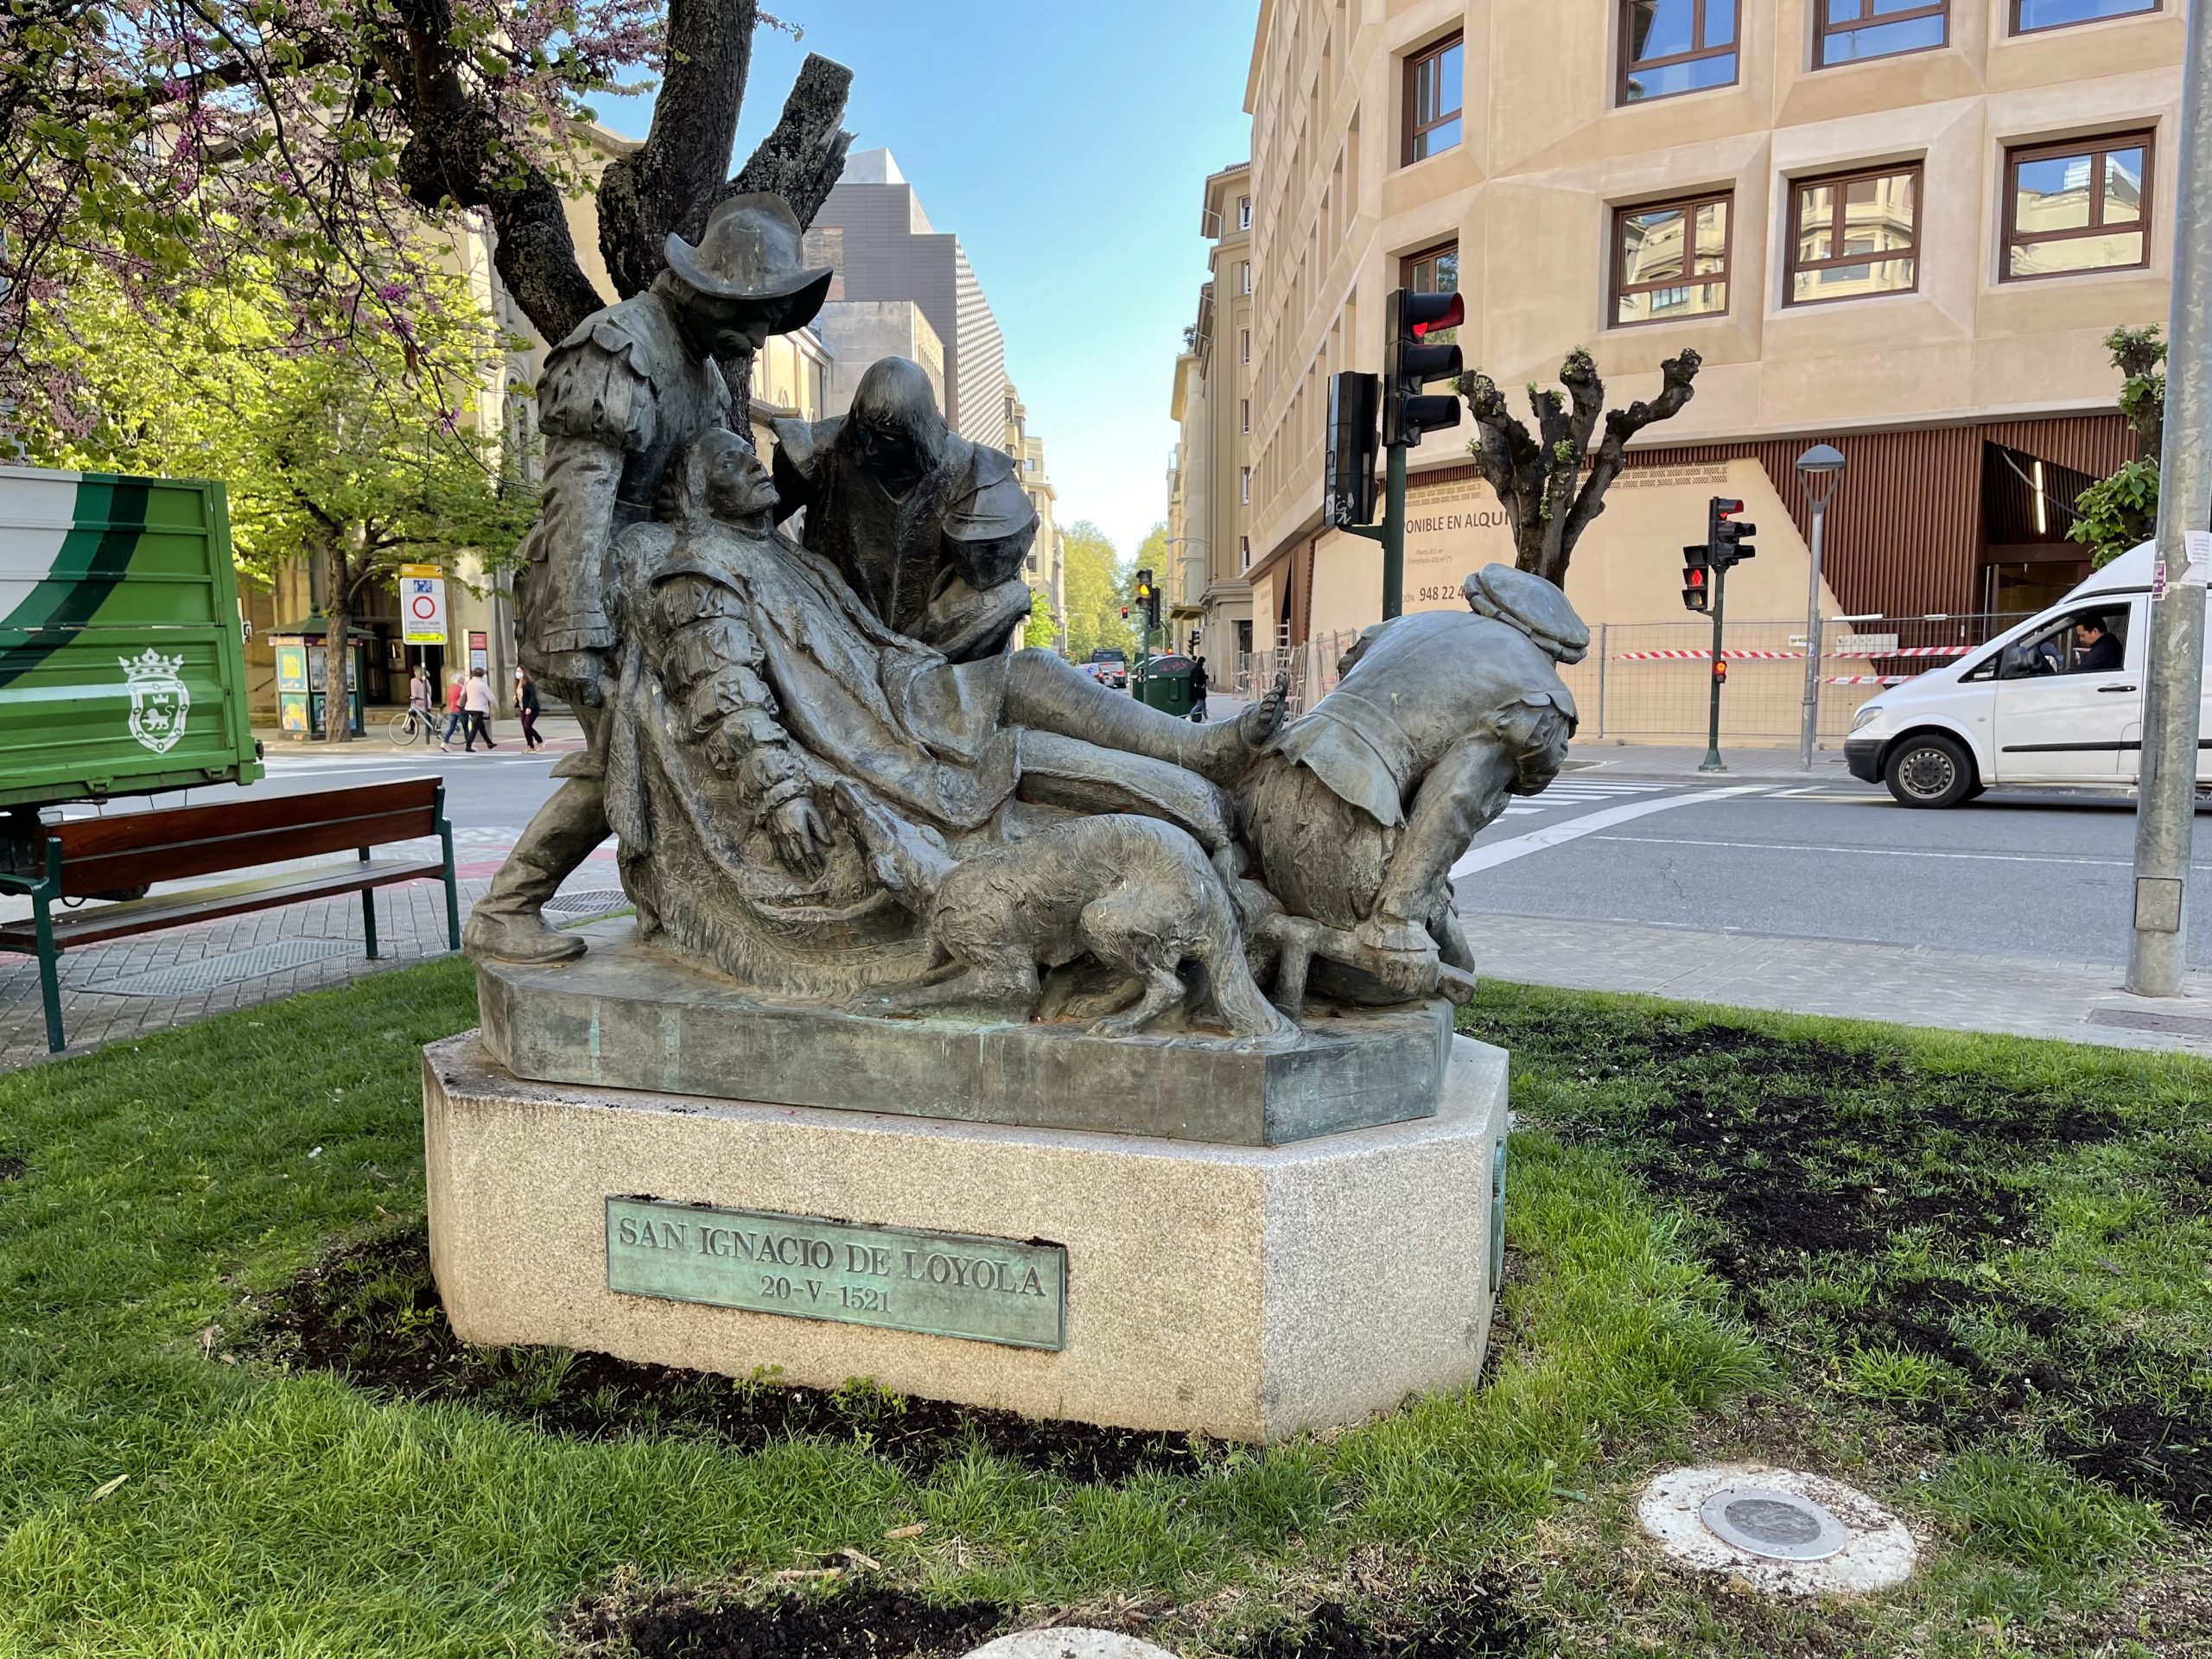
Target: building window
x=1244 y=413
x=2028 y=16
x=1244 y=485
x=1854 y=235
x=1245 y=552
x=1670 y=259
x=1850 y=31
x=1675 y=46
x=1244 y=278
x=2083 y=206
x=1434 y=83
x=1243 y=212
x=1244 y=344
x=1432 y=270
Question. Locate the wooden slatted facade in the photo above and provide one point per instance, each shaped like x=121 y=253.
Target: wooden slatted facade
x=1906 y=532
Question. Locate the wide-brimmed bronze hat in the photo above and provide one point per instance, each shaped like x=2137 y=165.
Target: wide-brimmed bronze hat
x=751 y=250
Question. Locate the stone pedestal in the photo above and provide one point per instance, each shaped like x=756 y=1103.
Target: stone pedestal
x=1246 y=1291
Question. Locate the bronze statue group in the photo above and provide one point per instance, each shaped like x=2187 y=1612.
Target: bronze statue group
x=834 y=776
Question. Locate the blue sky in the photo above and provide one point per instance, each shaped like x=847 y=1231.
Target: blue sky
x=1065 y=142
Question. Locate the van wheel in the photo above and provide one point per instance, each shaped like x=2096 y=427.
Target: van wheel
x=1930 y=770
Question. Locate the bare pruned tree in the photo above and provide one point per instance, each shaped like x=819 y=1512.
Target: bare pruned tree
x=1551 y=484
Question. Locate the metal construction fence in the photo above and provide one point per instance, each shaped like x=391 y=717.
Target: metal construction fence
x=1647 y=682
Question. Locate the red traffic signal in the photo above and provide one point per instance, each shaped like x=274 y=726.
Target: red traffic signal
x=1409 y=364
x=1727 y=538
x=1693 y=589
x=1720 y=671
x=1428 y=314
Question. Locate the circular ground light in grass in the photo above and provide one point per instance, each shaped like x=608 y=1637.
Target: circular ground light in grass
x=1782 y=1531
x=1069 y=1642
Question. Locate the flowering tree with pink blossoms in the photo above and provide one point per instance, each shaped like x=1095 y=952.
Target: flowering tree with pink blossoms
x=155 y=144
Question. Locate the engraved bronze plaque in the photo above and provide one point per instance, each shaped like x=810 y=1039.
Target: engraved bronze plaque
x=959 y=1285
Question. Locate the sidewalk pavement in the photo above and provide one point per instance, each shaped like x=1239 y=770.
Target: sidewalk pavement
x=1954 y=991
x=1743 y=764
x=115 y=991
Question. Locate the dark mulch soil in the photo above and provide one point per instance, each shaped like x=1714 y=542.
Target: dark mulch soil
x=369 y=1312
x=12 y=1168
x=670 y=1623
x=1474 y=1618
x=1797 y=1155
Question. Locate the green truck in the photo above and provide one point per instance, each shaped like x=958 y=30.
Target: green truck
x=122 y=659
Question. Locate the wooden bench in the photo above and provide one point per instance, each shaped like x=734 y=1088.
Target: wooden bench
x=87 y=857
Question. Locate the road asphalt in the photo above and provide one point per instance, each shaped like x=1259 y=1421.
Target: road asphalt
x=1766 y=887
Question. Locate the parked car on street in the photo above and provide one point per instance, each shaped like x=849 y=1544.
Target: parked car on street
x=2056 y=700
x=1109 y=666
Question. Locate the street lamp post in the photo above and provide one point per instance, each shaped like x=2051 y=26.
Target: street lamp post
x=2165 y=796
x=1819 y=469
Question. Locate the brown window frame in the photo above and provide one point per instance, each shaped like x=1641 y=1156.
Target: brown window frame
x=1791 y=265
x=2096 y=147
x=2013 y=25
x=1822 y=29
x=1616 y=290
x=1407 y=262
x=1410 y=130
x=1734 y=48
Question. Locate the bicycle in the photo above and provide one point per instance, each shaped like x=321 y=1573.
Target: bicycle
x=408 y=726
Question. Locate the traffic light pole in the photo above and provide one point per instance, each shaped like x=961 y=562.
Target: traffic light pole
x=1391 y=532
x=1713 y=761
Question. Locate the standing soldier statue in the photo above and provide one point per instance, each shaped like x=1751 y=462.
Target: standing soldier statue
x=620 y=397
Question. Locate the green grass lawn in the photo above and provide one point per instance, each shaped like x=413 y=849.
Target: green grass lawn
x=1974 y=1275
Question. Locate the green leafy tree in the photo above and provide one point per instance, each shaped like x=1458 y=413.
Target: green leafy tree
x=2121 y=510
x=1096 y=583
x=358 y=459
x=1040 y=629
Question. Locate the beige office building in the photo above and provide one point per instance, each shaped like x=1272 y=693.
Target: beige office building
x=1902 y=228
x=1046 y=569
x=1209 y=481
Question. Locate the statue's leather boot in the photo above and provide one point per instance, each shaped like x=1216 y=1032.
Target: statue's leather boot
x=506 y=923
x=519 y=935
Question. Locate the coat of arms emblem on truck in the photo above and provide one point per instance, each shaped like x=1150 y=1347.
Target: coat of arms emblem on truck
x=159 y=699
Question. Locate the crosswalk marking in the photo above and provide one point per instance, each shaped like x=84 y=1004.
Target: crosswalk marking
x=1578 y=791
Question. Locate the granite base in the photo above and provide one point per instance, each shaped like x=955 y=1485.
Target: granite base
x=1244 y=1292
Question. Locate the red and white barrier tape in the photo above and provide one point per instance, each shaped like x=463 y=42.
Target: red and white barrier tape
x=1706 y=656
x=1910 y=651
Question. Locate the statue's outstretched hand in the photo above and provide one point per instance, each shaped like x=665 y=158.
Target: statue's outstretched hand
x=1260 y=720
x=800 y=837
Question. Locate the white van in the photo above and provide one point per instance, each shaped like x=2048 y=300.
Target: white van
x=2057 y=700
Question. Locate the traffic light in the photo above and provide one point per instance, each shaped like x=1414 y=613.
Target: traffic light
x=1696 y=579
x=1409 y=364
x=1348 y=486
x=1147 y=599
x=1727 y=539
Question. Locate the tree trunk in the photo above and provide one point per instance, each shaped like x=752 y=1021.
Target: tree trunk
x=338 y=621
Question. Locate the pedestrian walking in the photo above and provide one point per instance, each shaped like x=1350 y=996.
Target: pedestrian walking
x=1198 y=689
x=476 y=699
x=526 y=705
x=418 y=706
x=456 y=717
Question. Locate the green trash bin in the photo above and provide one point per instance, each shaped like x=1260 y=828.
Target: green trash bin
x=1167 y=685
